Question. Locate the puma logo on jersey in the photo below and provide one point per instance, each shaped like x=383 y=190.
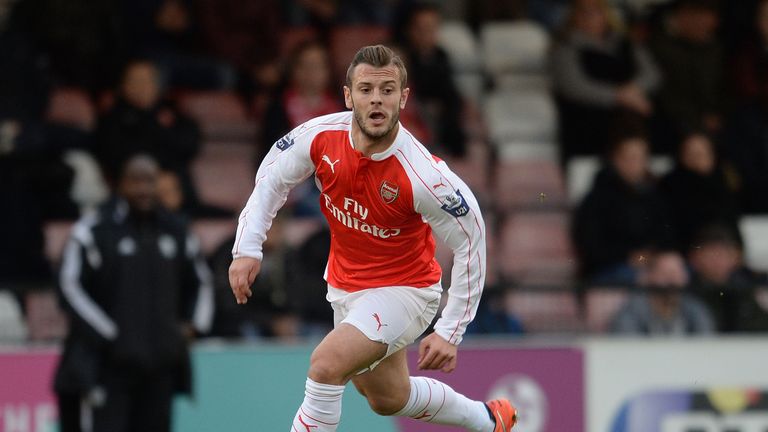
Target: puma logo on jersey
x=441 y=184
x=327 y=160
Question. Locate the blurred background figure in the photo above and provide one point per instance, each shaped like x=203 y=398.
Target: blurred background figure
x=272 y=312
x=305 y=94
x=721 y=279
x=697 y=192
x=168 y=33
x=247 y=36
x=622 y=218
x=691 y=59
x=600 y=77
x=430 y=76
x=750 y=66
x=142 y=121
x=664 y=309
x=137 y=290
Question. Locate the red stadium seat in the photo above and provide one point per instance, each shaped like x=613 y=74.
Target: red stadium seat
x=224 y=174
x=601 y=304
x=346 y=40
x=545 y=311
x=56 y=235
x=535 y=249
x=45 y=320
x=72 y=107
x=529 y=184
x=213 y=232
x=221 y=114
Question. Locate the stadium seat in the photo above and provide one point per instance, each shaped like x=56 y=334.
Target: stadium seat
x=346 y=40
x=521 y=116
x=518 y=47
x=56 y=235
x=601 y=304
x=754 y=229
x=470 y=85
x=213 y=232
x=547 y=311
x=460 y=43
x=12 y=328
x=224 y=173
x=532 y=184
x=535 y=249
x=580 y=173
x=45 y=320
x=71 y=107
x=221 y=114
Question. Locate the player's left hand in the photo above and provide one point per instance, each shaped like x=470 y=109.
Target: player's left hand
x=437 y=353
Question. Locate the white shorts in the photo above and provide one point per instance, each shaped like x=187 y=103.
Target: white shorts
x=395 y=315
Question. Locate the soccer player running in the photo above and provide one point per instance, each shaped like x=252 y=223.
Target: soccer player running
x=383 y=194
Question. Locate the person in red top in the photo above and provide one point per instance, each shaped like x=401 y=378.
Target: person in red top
x=383 y=194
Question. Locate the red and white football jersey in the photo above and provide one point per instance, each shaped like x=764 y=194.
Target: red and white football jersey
x=382 y=211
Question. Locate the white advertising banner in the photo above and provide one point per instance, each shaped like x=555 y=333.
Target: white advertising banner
x=677 y=385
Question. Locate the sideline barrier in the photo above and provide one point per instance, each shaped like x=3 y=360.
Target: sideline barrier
x=595 y=385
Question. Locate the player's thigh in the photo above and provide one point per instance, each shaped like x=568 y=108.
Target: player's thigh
x=342 y=353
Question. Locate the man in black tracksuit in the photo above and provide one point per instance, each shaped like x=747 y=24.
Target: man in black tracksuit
x=137 y=288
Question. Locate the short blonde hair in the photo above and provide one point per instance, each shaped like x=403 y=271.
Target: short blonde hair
x=377 y=56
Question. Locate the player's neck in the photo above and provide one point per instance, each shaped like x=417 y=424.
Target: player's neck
x=369 y=146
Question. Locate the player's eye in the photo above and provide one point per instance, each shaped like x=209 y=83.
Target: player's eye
x=365 y=90
x=388 y=91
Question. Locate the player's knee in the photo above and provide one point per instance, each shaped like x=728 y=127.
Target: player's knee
x=323 y=370
x=385 y=405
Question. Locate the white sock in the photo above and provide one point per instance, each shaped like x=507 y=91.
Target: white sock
x=321 y=409
x=434 y=402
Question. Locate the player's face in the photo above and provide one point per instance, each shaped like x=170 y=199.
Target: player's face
x=139 y=185
x=376 y=99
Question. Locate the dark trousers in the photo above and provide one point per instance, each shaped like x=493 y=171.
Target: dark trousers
x=136 y=401
x=69 y=412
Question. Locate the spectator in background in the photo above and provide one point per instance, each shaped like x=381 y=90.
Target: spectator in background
x=692 y=62
x=137 y=290
x=697 y=192
x=750 y=66
x=622 y=218
x=271 y=313
x=247 y=36
x=167 y=32
x=305 y=94
x=430 y=76
x=82 y=38
x=724 y=283
x=142 y=122
x=663 y=308
x=600 y=77
x=746 y=140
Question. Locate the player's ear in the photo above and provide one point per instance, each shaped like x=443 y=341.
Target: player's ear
x=348 y=97
x=404 y=97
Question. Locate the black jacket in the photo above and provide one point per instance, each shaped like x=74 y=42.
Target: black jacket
x=616 y=219
x=129 y=283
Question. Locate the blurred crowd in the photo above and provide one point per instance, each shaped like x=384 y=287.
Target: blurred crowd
x=629 y=80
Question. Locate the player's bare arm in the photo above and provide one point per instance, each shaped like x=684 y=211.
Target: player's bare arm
x=242 y=273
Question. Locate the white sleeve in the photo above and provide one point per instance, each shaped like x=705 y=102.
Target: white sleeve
x=454 y=215
x=287 y=164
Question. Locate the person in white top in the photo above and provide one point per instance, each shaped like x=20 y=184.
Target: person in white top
x=383 y=194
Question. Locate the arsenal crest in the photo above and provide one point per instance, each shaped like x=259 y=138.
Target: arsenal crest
x=388 y=191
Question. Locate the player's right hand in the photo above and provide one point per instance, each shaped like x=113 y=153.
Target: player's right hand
x=242 y=273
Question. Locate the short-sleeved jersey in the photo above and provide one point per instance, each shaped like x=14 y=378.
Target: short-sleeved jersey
x=382 y=211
